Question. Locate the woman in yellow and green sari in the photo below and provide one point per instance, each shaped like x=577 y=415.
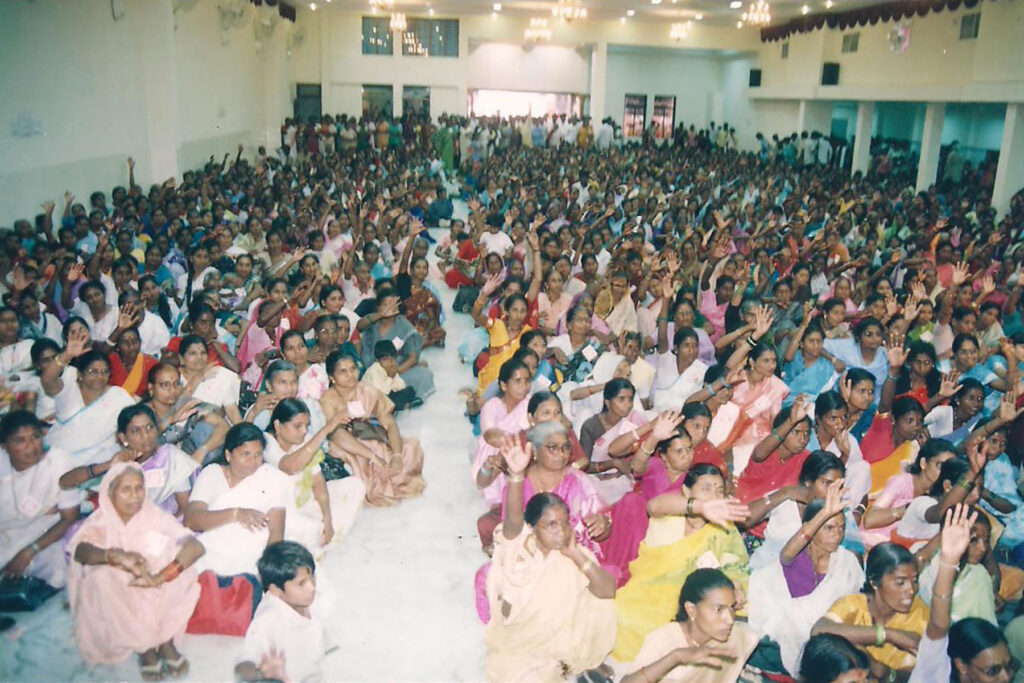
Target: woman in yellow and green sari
x=688 y=530
x=503 y=334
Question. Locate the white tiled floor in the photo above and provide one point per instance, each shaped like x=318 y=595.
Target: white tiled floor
x=404 y=575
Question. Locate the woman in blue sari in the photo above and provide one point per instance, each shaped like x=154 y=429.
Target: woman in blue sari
x=807 y=372
x=966 y=360
x=955 y=421
x=863 y=351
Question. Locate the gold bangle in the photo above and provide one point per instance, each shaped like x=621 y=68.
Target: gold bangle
x=515 y=478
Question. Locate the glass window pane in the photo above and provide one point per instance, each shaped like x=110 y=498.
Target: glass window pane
x=634 y=118
x=377 y=36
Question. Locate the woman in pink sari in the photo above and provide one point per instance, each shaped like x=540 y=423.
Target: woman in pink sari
x=260 y=339
x=505 y=414
x=131 y=586
x=660 y=465
x=551 y=472
x=758 y=395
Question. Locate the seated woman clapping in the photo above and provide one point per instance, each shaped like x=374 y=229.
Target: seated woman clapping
x=132 y=587
x=703 y=644
x=550 y=601
x=789 y=595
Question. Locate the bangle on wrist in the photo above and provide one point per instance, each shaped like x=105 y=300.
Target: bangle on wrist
x=804 y=535
x=515 y=478
x=767 y=499
x=689 y=506
x=947 y=565
x=879 y=635
x=942 y=596
x=775 y=433
x=34 y=547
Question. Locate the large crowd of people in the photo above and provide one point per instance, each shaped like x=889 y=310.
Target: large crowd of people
x=739 y=416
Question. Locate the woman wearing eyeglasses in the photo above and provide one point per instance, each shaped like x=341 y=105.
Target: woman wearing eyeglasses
x=87 y=406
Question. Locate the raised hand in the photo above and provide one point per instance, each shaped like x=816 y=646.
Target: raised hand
x=665 y=425
x=74 y=273
x=763 y=319
x=800 y=409
x=988 y=285
x=272 y=666
x=956 y=533
x=516 y=457
x=977 y=456
x=896 y=352
x=78 y=343
x=846 y=389
x=950 y=386
x=129 y=315
x=492 y=283
x=834 y=498
x=960 y=272
x=722 y=511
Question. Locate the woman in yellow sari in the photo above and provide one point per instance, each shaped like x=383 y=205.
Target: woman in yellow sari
x=688 y=530
x=504 y=334
x=552 y=613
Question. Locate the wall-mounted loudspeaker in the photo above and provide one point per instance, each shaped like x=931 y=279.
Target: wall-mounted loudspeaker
x=755 y=78
x=830 y=73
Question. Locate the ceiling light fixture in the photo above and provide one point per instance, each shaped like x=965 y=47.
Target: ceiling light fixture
x=759 y=13
x=698 y=17
x=382 y=5
x=569 y=10
x=397 y=21
x=805 y=9
x=630 y=12
x=537 y=31
x=655 y=2
x=736 y=4
x=497 y=7
x=739 y=24
x=312 y=6
x=829 y=4
x=622 y=20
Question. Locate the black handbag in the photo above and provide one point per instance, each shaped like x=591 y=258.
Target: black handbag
x=24 y=593
x=333 y=468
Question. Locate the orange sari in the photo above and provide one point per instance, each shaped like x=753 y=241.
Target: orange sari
x=133 y=380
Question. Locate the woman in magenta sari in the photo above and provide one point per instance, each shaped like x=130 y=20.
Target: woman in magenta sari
x=259 y=340
x=551 y=472
x=660 y=466
x=759 y=394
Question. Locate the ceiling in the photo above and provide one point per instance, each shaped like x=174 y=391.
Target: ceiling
x=716 y=12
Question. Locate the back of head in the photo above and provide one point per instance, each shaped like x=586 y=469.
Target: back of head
x=826 y=657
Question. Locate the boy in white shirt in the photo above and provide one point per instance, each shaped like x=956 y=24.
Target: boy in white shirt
x=285 y=640
x=383 y=376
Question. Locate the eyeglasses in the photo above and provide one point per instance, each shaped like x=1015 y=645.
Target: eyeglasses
x=1010 y=668
x=559 y=447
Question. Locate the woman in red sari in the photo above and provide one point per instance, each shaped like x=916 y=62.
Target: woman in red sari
x=918 y=377
x=777 y=459
x=129 y=367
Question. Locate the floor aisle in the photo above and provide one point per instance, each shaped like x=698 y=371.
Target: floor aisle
x=404 y=575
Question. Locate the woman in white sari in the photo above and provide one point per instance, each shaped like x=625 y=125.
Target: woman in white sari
x=212 y=384
x=87 y=408
x=788 y=596
x=615 y=306
x=619 y=416
x=238 y=507
x=34 y=511
x=318 y=510
x=585 y=399
x=167 y=470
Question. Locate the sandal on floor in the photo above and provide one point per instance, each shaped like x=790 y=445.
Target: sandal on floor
x=176 y=668
x=152 y=672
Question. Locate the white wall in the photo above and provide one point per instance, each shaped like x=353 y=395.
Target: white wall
x=694 y=80
x=539 y=68
x=101 y=90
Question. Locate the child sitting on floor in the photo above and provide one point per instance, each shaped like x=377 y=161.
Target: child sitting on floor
x=285 y=640
x=383 y=376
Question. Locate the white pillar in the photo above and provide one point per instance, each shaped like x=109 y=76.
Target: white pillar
x=153 y=24
x=1010 y=171
x=814 y=115
x=327 y=102
x=598 y=77
x=273 y=61
x=931 y=144
x=862 y=136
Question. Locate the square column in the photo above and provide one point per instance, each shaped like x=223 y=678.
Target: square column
x=153 y=24
x=931 y=144
x=814 y=115
x=862 y=137
x=1010 y=171
x=598 y=77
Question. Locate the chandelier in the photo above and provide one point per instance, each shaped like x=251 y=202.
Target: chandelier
x=381 y=5
x=758 y=13
x=569 y=10
x=397 y=21
x=537 y=31
x=679 y=30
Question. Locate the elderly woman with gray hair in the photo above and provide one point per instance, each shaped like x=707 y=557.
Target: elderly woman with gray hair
x=550 y=471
